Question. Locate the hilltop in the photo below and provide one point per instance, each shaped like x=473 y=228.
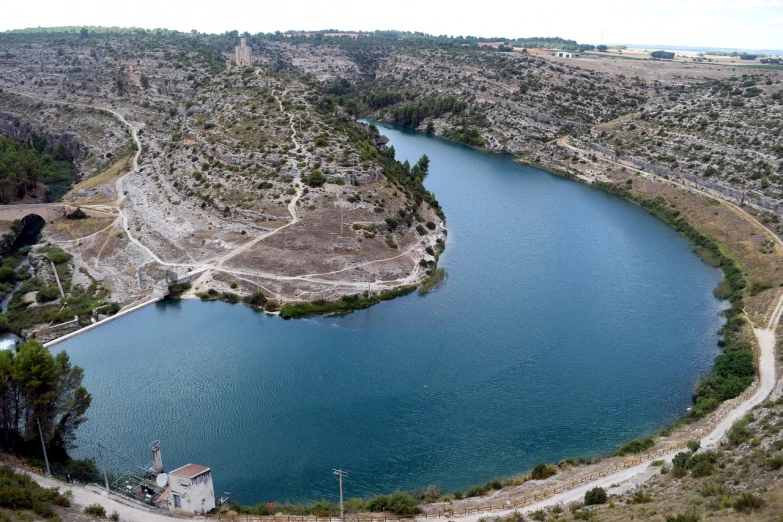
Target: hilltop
x=251 y=178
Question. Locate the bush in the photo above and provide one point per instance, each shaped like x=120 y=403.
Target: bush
x=748 y=502
x=58 y=256
x=700 y=465
x=693 y=445
x=50 y=293
x=636 y=446
x=114 y=516
x=399 y=503
x=77 y=214
x=316 y=178
x=255 y=299
x=542 y=471
x=739 y=431
x=96 y=510
x=476 y=491
x=595 y=496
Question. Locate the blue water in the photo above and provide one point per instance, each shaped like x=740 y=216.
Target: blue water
x=570 y=322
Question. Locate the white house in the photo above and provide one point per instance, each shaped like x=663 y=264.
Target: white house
x=563 y=54
x=191 y=489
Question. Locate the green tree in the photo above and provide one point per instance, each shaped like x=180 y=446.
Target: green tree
x=36 y=386
x=424 y=165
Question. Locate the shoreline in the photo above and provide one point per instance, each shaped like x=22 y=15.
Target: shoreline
x=743 y=406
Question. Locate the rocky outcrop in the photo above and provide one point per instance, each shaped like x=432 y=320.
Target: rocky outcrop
x=11 y=126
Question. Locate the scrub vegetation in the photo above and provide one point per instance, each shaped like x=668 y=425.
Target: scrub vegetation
x=23 y=167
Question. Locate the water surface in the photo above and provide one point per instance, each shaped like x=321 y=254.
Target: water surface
x=571 y=321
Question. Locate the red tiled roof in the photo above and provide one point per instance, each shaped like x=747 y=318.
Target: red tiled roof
x=189 y=471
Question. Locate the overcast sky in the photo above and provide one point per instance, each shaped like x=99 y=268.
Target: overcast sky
x=747 y=24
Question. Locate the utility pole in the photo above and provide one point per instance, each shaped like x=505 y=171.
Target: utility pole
x=340 y=473
x=43 y=446
x=105 y=476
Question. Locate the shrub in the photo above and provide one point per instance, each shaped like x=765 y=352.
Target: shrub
x=96 y=510
x=542 y=471
x=321 y=142
x=595 y=496
x=748 y=502
x=701 y=469
x=399 y=503
x=316 y=178
x=50 y=293
x=739 y=431
x=476 y=491
x=77 y=214
x=774 y=464
x=693 y=445
x=58 y=256
x=114 y=516
x=636 y=446
x=255 y=299
x=640 y=497
x=495 y=484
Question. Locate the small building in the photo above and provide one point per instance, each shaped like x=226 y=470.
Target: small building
x=191 y=489
x=564 y=54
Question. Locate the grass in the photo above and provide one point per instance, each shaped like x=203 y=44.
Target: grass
x=433 y=281
x=107 y=176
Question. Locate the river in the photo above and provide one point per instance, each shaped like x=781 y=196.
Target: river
x=570 y=322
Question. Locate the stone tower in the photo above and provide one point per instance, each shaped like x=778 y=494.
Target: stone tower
x=244 y=54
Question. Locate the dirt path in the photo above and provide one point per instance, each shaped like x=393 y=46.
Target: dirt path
x=205 y=268
x=85 y=495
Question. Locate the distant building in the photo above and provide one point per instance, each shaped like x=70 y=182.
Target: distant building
x=190 y=489
x=244 y=54
x=563 y=54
